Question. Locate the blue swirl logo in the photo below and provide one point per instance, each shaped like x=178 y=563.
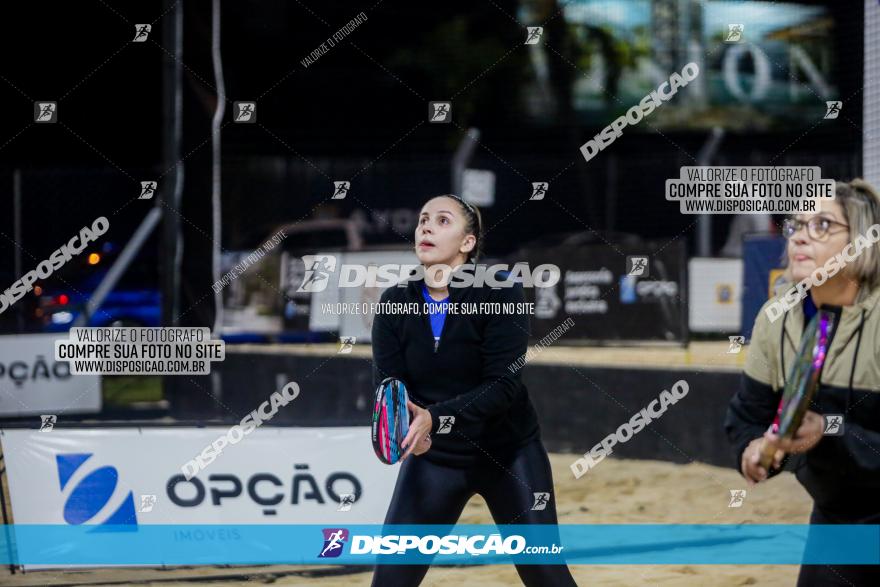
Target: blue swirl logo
x=87 y=498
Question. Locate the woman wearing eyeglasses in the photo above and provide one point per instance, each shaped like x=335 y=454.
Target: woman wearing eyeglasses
x=840 y=472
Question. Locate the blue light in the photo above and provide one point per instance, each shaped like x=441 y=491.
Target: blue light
x=62 y=318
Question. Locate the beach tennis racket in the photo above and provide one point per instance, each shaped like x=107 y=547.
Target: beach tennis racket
x=390 y=420
x=803 y=378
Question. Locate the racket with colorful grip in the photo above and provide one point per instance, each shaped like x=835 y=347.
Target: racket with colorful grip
x=803 y=378
x=390 y=420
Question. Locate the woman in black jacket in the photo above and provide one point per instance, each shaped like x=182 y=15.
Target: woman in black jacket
x=841 y=472
x=473 y=428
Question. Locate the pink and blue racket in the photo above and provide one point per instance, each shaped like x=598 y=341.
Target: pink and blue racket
x=390 y=420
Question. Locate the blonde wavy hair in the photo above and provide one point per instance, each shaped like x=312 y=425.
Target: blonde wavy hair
x=860 y=203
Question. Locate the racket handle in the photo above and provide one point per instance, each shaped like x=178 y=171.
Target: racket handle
x=767 y=454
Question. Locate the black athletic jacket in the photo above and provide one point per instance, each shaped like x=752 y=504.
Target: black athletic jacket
x=841 y=473
x=467 y=376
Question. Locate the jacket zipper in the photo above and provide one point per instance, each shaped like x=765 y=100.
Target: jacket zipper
x=439 y=338
x=427 y=321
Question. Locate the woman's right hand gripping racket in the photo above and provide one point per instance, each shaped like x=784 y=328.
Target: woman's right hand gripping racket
x=390 y=420
x=803 y=379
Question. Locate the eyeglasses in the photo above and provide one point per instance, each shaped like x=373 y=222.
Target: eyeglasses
x=817 y=227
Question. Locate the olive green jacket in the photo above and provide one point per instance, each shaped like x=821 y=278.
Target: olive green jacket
x=841 y=471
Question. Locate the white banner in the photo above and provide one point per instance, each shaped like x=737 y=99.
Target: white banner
x=361 y=325
x=358 y=325
x=133 y=476
x=32 y=382
x=714 y=294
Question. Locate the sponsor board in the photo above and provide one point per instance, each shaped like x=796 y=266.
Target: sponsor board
x=34 y=383
x=104 y=477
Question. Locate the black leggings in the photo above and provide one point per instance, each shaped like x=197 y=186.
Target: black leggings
x=428 y=493
x=839 y=575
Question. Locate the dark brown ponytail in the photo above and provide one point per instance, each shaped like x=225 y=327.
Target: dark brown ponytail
x=473 y=225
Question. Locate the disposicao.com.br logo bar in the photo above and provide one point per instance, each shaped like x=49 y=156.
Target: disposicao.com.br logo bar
x=335 y=540
x=302 y=544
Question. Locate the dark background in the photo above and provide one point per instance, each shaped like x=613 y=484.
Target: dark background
x=352 y=106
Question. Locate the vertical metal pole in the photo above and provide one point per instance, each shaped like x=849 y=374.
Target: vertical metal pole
x=216 y=202
x=871 y=80
x=172 y=240
x=704 y=221
x=611 y=192
x=16 y=212
x=120 y=266
x=216 y=164
x=7 y=519
x=173 y=118
x=462 y=155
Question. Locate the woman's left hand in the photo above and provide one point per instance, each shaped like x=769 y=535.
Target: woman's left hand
x=420 y=427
